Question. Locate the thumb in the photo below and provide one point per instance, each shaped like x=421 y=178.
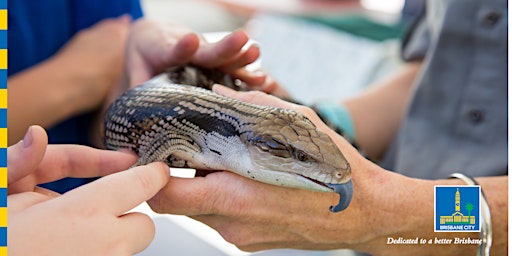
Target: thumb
x=24 y=157
x=200 y=195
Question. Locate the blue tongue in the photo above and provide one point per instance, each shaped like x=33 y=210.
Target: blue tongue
x=345 y=191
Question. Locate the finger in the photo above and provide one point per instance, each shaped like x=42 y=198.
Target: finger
x=261 y=81
x=254 y=97
x=24 y=157
x=21 y=201
x=215 y=54
x=81 y=162
x=251 y=78
x=241 y=60
x=145 y=61
x=138 y=230
x=120 y=192
x=183 y=51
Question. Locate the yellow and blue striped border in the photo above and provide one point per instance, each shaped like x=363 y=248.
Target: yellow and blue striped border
x=3 y=127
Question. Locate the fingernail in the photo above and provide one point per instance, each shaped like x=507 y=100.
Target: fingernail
x=27 y=140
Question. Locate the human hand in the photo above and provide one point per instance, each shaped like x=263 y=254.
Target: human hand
x=154 y=46
x=94 y=59
x=89 y=220
x=32 y=162
x=257 y=216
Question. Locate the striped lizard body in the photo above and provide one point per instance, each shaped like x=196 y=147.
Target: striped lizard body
x=187 y=126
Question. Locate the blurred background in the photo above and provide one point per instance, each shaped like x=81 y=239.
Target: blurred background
x=220 y=15
x=316 y=49
x=336 y=46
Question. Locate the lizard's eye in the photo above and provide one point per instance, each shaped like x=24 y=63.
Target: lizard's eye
x=302 y=156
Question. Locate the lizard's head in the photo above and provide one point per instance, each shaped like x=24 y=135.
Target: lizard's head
x=288 y=148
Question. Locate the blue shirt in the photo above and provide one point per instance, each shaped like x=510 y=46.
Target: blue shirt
x=38 y=29
x=457 y=120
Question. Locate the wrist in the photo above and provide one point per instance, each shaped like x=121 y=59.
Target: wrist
x=382 y=201
x=404 y=202
x=413 y=220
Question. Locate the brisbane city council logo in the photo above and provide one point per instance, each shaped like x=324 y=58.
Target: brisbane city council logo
x=457 y=209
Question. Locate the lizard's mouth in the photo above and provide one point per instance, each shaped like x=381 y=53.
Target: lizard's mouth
x=345 y=190
x=313 y=180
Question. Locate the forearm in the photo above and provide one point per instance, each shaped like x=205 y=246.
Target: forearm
x=44 y=94
x=377 y=113
x=390 y=205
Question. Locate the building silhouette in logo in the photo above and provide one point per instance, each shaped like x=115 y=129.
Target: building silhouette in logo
x=457 y=217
